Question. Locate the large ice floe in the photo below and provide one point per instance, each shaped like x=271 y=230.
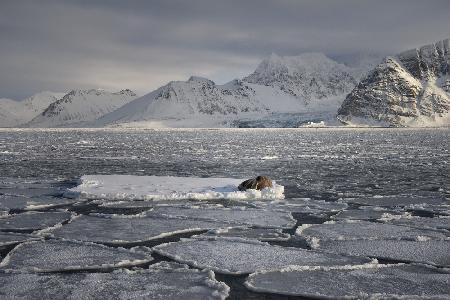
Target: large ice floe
x=116 y=229
x=355 y=282
x=31 y=221
x=355 y=230
x=367 y=213
x=161 y=281
x=15 y=238
x=10 y=202
x=302 y=205
x=427 y=251
x=436 y=223
x=55 y=255
x=240 y=256
x=128 y=187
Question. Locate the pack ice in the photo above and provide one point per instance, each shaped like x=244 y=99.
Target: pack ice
x=429 y=251
x=128 y=187
x=11 y=202
x=239 y=256
x=55 y=255
x=31 y=221
x=160 y=281
x=372 y=282
x=112 y=229
x=7 y=238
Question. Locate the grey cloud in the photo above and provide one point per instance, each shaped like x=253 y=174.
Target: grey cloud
x=59 y=45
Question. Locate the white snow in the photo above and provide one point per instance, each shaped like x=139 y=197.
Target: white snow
x=127 y=229
x=239 y=256
x=161 y=281
x=128 y=187
x=55 y=255
x=382 y=282
x=423 y=250
x=365 y=230
x=14 y=238
x=33 y=220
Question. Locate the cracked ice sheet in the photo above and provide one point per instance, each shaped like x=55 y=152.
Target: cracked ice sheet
x=366 y=213
x=113 y=229
x=301 y=205
x=431 y=252
x=376 y=282
x=436 y=223
x=236 y=216
x=239 y=256
x=364 y=230
x=395 y=201
x=24 y=203
x=31 y=221
x=161 y=281
x=55 y=255
x=14 y=238
x=261 y=234
x=128 y=187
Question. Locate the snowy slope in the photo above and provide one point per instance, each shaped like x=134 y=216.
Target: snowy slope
x=282 y=92
x=15 y=113
x=409 y=89
x=81 y=106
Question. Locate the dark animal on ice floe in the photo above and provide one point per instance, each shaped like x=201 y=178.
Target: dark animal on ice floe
x=257 y=183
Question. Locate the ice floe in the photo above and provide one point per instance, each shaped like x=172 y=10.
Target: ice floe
x=436 y=223
x=373 y=282
x=239 y=215
x=426 y=251
x=261 y=234
x=31 y=221
x=161 y=281
x=8 y=202
x=300 y=205
x=398 y=201
x=128 y=187
x=239 y=256
x=127 y=229
x=342 y=230
x=366 y=213
x=14 y=238
x=56 y=255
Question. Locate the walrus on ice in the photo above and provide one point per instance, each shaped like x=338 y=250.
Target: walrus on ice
x=257 y=183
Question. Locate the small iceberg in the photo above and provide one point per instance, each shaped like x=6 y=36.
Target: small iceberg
x=129 y=187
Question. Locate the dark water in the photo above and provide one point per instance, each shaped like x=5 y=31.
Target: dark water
x=322 y=164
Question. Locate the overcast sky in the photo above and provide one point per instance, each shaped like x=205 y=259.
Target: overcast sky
x=61 y=45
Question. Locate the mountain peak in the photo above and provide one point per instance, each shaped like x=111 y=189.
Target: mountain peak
x=200 y=80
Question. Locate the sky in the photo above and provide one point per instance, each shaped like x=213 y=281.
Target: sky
x=60 y=45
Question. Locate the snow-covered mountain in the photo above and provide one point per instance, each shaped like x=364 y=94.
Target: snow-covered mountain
x=283 y=91
x=409 y=89
x=81 y=106
x=309 y=77
x=15 y=113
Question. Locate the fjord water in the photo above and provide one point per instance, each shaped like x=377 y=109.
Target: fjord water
x=377 y=167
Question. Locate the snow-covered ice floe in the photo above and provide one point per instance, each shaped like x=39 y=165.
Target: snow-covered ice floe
x=427 y=251
x=239 y=256
x=128 y=187
x=15 y=238
x=161 y=281
x=8 y=202
x=31 y=221
x=56 y=255
x=355 y=282
x=113 y=229
x=355 y=230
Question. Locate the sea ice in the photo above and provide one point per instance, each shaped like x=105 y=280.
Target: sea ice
x=299 y=205
x=14 y=238
x=427 y=251
x=375 y=282
x=56 y=255
x=239 y=256
x=436 y=223
x=128 y=187
x=161 y=281
x=364 y=230
x=30 y=221
x=127 y=229
x=24 y=203
x=396 y=201
x=261 y=234
x=241 y=215
x=365 y=213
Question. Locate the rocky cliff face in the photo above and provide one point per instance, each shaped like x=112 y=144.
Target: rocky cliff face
x=409 y=89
